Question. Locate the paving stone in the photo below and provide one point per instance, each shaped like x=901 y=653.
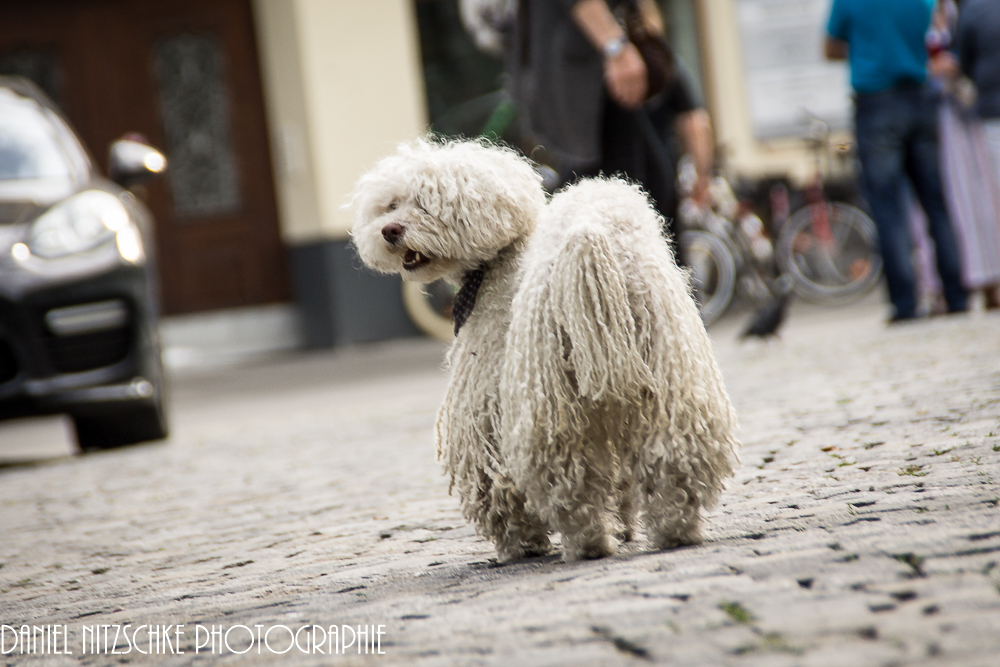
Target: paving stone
x=863 y=527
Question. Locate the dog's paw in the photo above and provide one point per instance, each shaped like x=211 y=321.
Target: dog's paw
x=600 y=548
x=509 y=554
x=664 y=542
x=626 y=535
x=536 y=550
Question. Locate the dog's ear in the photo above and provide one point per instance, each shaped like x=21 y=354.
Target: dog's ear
x=374 y=193
x=485 y=195
x=477 y=198
x=377 y=187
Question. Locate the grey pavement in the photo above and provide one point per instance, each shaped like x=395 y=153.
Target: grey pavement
x=863 y=527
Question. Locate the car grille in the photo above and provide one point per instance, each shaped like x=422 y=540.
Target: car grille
x=86 y=336
x=8 y=363
x=84 y=352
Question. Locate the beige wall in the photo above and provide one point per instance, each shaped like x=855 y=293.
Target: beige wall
x=343 y=85
x=727 y=95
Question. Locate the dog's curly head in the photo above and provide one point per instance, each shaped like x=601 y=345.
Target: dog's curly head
x=439 y=208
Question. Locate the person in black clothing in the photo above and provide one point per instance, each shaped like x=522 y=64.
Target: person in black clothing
x=579 y=82
x=676 y=114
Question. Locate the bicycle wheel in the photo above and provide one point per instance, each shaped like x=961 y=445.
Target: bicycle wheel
x=429 y=306
x=831 y=253
x=713 y=272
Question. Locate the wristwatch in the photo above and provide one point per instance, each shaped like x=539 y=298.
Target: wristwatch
x=614 y=47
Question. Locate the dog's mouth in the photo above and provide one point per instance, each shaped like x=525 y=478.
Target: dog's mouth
x=414 y=259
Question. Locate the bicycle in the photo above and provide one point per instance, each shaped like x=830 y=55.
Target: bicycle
x=829 y=249
x=429 y=306
x=724 y=247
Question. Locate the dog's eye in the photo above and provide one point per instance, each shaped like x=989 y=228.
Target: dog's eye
x=393 y=205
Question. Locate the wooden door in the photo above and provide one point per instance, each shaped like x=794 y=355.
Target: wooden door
x=185 y=74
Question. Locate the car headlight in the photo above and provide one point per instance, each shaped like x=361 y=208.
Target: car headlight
x=82 y=222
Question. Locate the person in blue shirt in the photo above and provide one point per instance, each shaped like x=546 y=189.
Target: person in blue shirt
x=896 y=130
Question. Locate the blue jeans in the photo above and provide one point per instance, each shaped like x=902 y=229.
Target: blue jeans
x=897 y=139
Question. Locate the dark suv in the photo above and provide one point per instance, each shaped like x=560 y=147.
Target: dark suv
x=78 y=307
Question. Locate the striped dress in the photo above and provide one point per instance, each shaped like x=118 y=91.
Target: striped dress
x=972 y=191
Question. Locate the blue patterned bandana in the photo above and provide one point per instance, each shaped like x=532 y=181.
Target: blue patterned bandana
x=465 y=300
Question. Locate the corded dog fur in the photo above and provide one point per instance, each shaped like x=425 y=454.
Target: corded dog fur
x=583 y=388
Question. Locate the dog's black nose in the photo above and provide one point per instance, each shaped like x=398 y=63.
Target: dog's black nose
x=392 y=232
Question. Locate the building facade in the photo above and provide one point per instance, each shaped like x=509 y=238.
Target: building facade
x=269 y=110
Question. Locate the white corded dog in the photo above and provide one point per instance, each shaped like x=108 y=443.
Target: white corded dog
x=583 y=386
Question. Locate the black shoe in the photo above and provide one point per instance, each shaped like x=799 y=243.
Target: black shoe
x=900 y=319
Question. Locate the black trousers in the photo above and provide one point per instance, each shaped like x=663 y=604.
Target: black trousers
x=626 y=152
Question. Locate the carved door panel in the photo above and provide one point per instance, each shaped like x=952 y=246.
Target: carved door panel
x=185 y=74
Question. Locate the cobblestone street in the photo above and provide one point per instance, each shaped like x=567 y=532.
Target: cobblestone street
x=863 y=527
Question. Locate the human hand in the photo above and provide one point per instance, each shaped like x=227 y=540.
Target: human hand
x=701 y=193
x=943 y=65
x=625 y=75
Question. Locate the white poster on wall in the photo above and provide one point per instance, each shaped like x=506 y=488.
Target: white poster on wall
x=788 y=79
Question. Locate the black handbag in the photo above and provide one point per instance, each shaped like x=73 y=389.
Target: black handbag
x=655 y=52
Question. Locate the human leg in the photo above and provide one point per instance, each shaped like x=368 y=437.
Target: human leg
x=923 y=169
x=929 y=294
x=881 y=124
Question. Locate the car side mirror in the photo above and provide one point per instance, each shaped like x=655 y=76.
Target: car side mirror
x=132 y=162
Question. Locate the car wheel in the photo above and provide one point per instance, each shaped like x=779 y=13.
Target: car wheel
x=128 y=423
x=123 y=426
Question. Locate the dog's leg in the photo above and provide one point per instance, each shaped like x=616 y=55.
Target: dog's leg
x=671 y=509
x=517 y=532
x=584 y=525
x=498 y=511
x=626 y=500
x=573 y=496
x=684 y=529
